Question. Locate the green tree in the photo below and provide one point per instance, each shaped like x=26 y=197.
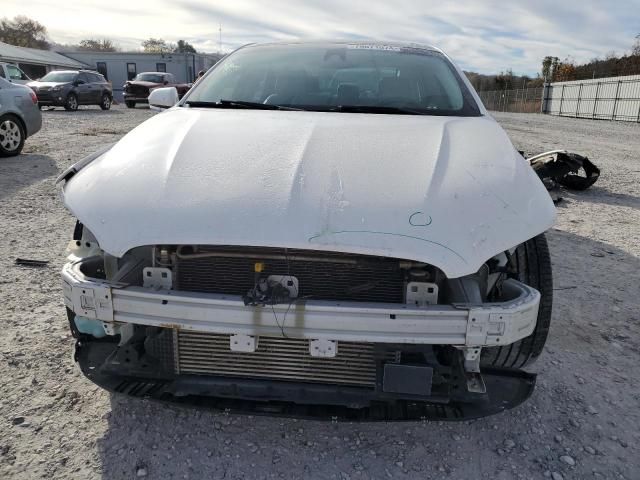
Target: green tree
x=93 y=45
x=184 y=47
x=23 y=32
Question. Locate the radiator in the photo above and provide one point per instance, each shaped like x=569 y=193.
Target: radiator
x=275 y=358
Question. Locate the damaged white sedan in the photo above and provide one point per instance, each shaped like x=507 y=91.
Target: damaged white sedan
x=336 y=229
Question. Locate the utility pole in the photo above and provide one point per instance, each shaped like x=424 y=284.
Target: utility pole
x=220 y=39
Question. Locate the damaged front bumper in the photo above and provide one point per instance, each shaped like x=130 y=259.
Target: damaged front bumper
x=129 y=340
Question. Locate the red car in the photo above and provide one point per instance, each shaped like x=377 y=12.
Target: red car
x=138 y=89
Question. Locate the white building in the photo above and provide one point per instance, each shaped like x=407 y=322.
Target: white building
x=36 y=63
x=118 y=67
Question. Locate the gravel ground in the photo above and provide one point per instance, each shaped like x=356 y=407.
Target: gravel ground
x=582 y=421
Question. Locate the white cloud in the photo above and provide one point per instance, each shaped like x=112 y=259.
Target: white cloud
x=485 y=36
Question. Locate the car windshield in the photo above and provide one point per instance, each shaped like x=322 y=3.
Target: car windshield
x=59 y=77
x=338 y=77
x=150 y=77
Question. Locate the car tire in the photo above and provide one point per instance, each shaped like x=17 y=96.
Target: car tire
x=71 y=103
x=12 y=136
x=105 y=103
x=533 y=266
x=130 y=104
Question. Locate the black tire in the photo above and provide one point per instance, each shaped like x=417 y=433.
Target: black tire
x=71 y=103
x=12 y=136
x=105 y=103
x=130 y=104
x=533 y=264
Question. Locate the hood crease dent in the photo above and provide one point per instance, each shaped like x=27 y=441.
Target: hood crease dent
x=448 y=191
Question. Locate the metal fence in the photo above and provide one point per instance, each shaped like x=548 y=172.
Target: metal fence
x=615 y=98
x=520 y=100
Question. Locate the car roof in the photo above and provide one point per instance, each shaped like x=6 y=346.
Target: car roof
x=75 y=71
x=361 y=43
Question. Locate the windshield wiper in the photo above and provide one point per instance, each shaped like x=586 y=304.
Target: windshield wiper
x=377 y=109
x=238 y=104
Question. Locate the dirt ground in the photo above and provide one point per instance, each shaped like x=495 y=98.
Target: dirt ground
x=583 y=420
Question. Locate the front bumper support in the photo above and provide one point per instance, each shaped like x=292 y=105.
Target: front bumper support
x=488 y=324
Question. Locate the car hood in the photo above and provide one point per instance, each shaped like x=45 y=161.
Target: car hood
x=448 y=191
x=143 y=83
x=46 y=84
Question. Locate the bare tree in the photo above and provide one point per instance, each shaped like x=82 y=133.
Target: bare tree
x=157 y=45
x=23 y=32
x=635 y=49
x=93 y=45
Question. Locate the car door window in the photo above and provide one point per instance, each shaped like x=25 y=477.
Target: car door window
x=82 y=78
x=2 y=72
x=15 y=73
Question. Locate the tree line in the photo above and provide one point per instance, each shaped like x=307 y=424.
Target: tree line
x=555 y=70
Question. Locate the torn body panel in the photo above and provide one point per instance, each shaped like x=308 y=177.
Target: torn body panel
x=570 y=170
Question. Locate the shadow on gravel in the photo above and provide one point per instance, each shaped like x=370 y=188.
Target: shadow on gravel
x=595 y=195
x=19 y=172
x=165 y=441
x=600 y=195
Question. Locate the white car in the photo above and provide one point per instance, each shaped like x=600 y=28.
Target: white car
x=313 y=225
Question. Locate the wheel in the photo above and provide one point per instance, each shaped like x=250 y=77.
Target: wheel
x=533 y=266
x=105 y=103
x=72 y=102
x=12 y=136
x=130 y=104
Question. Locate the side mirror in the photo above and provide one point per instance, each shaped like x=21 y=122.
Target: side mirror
x=78 y=82
x=162 y=98
x=166 y=82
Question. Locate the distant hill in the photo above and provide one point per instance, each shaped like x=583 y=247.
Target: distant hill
x=559 y=71
x=611 y=66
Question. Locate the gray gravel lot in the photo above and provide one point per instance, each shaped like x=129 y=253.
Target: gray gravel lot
x=582 y=421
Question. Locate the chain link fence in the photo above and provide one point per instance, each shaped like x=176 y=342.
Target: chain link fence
x=520 y=100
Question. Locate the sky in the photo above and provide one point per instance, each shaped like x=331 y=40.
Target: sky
x=485 y=36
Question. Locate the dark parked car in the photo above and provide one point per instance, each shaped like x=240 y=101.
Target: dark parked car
x=70 y=88
x=138 y=89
